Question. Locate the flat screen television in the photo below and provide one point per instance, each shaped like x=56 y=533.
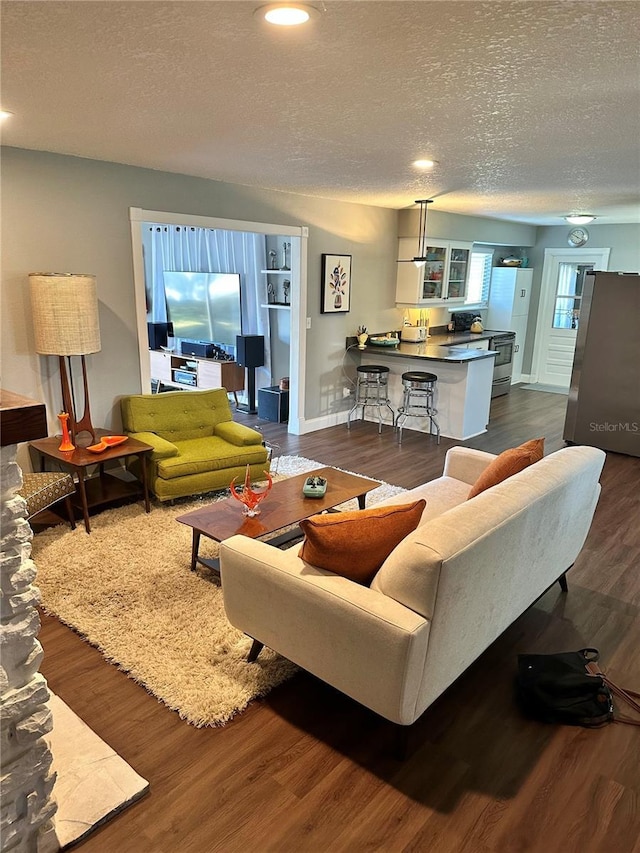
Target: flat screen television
x=204 y=306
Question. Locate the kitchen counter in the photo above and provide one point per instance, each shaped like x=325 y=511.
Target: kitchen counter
x=430 y=351
x=464 y=337
x=463 y=390
x=438 y=348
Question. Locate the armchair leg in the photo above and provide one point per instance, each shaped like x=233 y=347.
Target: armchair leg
x=255 y=650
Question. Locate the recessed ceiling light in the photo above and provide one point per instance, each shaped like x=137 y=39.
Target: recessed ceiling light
x=580 y=218
x=424 y=164
x=5 y=114
x=286 y=14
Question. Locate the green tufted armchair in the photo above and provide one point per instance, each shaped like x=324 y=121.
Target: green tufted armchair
x=197 y=447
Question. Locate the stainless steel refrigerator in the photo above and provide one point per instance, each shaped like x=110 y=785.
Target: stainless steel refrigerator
x=604 y=399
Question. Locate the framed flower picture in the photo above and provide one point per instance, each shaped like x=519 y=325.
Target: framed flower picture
x=336 y=284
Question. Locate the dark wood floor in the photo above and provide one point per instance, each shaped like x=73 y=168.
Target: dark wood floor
x=306 y=769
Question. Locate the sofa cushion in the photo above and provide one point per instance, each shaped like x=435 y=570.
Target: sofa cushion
x=440 y=495
x=411 y=572
x=238 y=434
x=355 y=544
x=176 y=415
x=162 y=448
x=199 y=455
x=508 y=463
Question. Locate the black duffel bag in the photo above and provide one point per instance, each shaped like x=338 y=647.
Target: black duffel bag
x=569 y=688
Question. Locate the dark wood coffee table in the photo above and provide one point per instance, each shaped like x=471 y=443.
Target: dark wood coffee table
x=284 y=506
x=101 y=490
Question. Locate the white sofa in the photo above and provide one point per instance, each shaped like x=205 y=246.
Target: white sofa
x=445 y=593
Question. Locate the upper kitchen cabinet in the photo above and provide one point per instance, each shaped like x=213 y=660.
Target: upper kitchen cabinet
x=443 y=278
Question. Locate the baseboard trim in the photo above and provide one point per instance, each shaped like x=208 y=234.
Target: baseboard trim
x=525 y=378
x=314 y=424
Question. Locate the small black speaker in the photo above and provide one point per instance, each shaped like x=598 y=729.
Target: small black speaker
x=158 y=333
x=273 y=404
x=201 y=349
x=250 y=350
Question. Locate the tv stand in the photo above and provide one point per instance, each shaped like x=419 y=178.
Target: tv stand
x=191 y=373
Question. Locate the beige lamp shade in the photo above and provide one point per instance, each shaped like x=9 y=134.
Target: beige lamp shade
x=65 y=313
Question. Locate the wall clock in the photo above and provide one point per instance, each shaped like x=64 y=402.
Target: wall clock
x=578 y=237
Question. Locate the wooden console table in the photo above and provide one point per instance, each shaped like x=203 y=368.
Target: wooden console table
x=196 y=374
x=96 y=491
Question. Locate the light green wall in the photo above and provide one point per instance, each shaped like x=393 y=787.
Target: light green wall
x=67 y=214
x=623 y=240
x=473 y=229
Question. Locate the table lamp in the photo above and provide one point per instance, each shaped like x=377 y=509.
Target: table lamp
x=65 y=322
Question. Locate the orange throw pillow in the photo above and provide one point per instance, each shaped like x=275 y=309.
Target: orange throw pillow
x=355 y=544
x=507 y=463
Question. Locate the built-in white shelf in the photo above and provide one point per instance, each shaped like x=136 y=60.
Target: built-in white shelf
x=277 y=306
x=277 y=272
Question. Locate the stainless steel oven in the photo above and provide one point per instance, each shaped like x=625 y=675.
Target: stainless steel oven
x=503 y=344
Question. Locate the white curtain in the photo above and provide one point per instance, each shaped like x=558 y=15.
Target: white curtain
x=190 y=249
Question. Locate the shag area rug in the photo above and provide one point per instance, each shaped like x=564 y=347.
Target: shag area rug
x=127 y=589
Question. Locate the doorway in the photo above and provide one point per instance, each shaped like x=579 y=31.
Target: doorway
x=559 y=311
x=297 y=237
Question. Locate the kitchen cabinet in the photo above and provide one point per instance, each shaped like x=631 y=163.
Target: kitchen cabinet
x=197 y=374
x=442 y=280
x=483 y=345
x=509 y=298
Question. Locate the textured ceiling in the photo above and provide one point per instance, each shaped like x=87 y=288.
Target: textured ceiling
x=531 y=108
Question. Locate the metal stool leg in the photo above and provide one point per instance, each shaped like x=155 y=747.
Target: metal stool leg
x=418 y=401
x=402 y=414
x=372 y=391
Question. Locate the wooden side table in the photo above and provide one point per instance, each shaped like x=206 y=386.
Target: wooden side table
x=96 y=491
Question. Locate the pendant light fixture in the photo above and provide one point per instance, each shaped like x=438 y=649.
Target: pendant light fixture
x=421 y=258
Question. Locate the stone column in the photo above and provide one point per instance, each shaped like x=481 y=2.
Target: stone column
x=26 y=782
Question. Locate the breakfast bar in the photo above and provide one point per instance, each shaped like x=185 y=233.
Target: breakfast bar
x=462 y=392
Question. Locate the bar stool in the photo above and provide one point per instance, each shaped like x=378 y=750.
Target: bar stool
x=417 y=401
x=372 y=390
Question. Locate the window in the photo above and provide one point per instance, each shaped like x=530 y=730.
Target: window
x=566 y=312
x=479 y=278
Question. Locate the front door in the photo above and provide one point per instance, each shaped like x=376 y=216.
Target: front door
x=559 y=313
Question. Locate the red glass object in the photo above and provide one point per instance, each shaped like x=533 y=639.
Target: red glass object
x=66 y=443
x=248 y=496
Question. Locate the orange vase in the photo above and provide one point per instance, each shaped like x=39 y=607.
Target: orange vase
x=66 y=443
